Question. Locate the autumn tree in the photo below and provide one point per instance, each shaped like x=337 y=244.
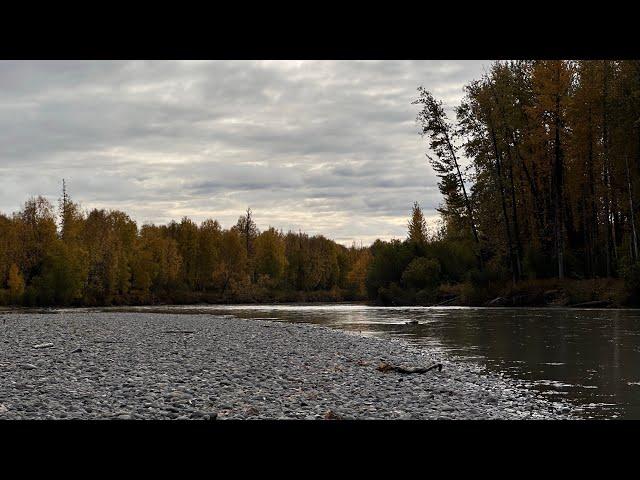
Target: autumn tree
x=270 y=256
x=443 y=143
x=417 y=226
x=15 y=282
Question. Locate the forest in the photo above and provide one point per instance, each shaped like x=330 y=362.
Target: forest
x=64 y=256
x=539 y=171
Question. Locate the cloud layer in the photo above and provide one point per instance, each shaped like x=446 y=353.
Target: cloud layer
x=329 y=147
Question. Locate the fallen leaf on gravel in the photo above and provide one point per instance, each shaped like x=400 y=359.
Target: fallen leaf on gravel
x=331 y=415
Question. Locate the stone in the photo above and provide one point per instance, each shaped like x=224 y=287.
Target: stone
x=283 y=371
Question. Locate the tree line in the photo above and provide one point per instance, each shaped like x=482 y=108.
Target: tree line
x=64 y=256
x=540 y=172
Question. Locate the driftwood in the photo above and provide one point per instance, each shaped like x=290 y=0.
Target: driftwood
x=385 y=367
x=446 y=301
x=593 y=304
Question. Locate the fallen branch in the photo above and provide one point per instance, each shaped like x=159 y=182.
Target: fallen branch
x=446 y=301
x=385 y=367
x=593 y=304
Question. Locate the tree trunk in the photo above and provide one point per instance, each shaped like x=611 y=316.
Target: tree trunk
x=466 y=198
x=558 y=196
x=514 y=269
x=634 y=235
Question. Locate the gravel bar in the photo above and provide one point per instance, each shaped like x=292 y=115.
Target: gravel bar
x=97 y=365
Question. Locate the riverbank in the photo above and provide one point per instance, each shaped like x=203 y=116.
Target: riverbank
x=566 y=293
x=96 y=365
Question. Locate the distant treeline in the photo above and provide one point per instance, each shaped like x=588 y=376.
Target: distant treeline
x=102 y=258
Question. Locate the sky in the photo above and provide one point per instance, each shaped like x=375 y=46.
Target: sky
x=326 y=147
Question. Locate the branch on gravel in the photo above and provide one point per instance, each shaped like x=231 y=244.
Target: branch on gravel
x=385 y=367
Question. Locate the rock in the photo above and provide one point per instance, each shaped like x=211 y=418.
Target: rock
x=3 y=409
x=43 y=345
x=283 y=371
x=178 y=396
x=411 y=322
x=27 y=366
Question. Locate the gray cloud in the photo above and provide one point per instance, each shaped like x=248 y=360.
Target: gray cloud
x=326 y=147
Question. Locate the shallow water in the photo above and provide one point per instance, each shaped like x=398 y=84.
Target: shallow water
x=589 y=357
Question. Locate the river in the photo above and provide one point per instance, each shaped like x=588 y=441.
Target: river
x=589 y=357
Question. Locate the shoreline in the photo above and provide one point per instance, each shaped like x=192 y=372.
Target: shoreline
x=184 y=308
x=161 y=366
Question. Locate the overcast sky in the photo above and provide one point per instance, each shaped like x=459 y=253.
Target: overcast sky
x=326 y=147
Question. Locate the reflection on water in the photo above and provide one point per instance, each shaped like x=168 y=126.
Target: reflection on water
x=589 y=357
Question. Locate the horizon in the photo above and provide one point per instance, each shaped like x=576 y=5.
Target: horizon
x=217 y=137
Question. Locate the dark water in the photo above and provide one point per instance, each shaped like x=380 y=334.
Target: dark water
x=589 y=357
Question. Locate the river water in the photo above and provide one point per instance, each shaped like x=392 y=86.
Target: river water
x=589 y=357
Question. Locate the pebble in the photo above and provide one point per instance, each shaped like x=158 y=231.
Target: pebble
x=236 y=368
x=27 y=366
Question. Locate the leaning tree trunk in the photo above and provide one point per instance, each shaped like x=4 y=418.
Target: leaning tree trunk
x=504 y=205
x=466 y=199
x=634 y=235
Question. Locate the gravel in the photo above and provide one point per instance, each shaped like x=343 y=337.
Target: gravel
x=172 y=366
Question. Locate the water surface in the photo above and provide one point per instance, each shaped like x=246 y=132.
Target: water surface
x=589 y=357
